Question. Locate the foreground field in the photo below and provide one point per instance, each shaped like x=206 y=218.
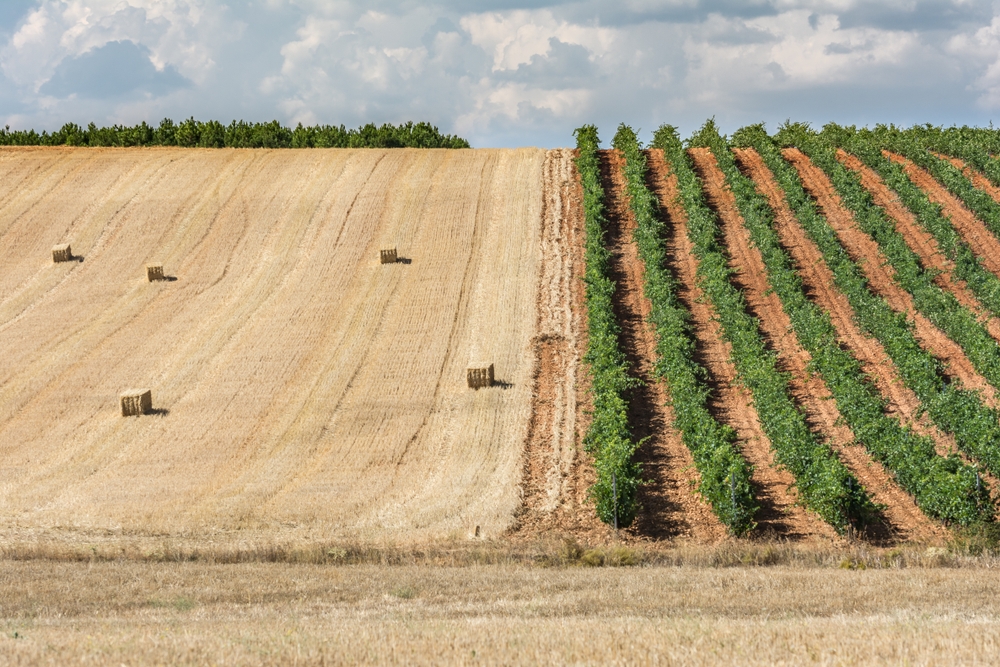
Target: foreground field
x=111 y=613
x=302 y=390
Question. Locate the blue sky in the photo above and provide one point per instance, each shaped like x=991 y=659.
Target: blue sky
x=501 y=72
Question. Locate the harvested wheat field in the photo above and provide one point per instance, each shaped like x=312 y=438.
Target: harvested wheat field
x=301 y=389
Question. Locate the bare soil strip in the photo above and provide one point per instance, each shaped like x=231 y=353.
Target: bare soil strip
x=980 y=239
x=671 y=506
x=906 y=521
x=731 y=402
x=978 y=179
x=865 y=251
x=924 y=244
x=557 y=472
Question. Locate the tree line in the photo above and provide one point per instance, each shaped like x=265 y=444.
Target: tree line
x=192 y=133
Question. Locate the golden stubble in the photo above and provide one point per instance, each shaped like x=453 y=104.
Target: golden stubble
x=194 y=613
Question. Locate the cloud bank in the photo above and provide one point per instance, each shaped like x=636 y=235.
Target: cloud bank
x=500 y=72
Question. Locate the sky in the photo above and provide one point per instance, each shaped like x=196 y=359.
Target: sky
x=501 y=72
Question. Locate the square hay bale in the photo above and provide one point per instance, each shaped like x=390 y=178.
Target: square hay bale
x=154 y=272
x=388 y=256
x=480 y=375
x=61 y=253
x=136 y=402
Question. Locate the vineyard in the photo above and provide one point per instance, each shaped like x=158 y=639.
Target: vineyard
x=824 y=311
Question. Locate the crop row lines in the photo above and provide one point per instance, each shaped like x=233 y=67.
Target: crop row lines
x=725 y=475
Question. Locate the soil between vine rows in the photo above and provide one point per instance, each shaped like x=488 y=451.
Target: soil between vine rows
x=863 y=250
x=671 y=507
x=972 y=230
x=924 y=244
x=773 y=482
x=905 y=520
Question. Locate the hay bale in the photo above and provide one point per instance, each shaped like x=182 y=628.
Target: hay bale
x=136 y=402
x=480 y=375
x=388 y=256
x=154 y=272
x=61 y=253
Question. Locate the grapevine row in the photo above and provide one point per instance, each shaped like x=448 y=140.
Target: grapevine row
x=608 y=439
x=984 y=284
x=826 y=485
x=939 y=306
x=976 y=200
x=725 y=475
x=943 y=487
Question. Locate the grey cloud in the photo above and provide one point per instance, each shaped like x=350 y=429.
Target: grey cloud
x=564 y=66
x=930 y=15
x=777 y=72
x=113 y=70
x=738 y=34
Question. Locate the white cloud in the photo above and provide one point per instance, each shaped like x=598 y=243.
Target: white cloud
x=982 y=47
x=518 y=75
x=182 y=33
x=514 y=37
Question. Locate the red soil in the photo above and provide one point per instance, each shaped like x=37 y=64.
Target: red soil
x=905 y=520
x=864 y=250
x=780 y=515
x=925 y=245
x=980 y=239
x=557 y=472
x=979 y=180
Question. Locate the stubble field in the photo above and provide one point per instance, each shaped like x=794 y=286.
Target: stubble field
x=302 y=390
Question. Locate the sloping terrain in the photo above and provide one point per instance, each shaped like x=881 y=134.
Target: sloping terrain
x=301 y=388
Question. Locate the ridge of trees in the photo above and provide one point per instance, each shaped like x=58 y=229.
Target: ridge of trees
x=193 y=133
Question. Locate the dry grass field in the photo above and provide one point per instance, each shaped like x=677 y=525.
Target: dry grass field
x=284 y=614
x=301 y=389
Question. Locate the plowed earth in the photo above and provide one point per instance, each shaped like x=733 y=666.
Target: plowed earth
x=780 y=513
x=863 y=249
x=557 y=473
x=973 y=231
x=924 y=244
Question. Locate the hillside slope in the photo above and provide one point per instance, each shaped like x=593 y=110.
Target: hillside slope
x=302 y=388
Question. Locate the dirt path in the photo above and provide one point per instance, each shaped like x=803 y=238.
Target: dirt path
x=557 y=472
x=980 y=239
x=671 y=506
x=730 y=402
x=905 y=520
x=924 y=244
x=865 y=251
